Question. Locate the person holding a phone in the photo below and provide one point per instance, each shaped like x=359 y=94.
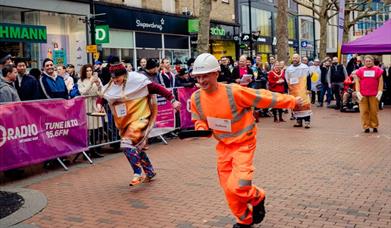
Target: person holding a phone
x=89 y=86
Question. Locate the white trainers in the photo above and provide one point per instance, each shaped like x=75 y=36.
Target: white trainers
x=307 y=125
x=137 y=179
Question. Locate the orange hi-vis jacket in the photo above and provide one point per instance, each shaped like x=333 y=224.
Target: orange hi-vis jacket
x=232 y=106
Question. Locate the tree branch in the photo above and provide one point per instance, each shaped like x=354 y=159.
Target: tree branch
x=307 y=6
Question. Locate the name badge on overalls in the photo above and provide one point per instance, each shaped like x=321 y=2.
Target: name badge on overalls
x=293 y=81
x=219 y=124
x=120 y=110
x=369 y=73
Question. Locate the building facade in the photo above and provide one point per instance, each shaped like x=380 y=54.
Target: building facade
x=263 y=26
x=161 y=29
x=43 y=29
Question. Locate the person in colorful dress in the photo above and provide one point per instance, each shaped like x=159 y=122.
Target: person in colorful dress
x=129 y=95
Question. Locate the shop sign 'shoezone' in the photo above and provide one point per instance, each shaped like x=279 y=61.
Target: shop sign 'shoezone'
x=129 y=19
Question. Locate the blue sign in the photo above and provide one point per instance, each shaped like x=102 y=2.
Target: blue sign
x=304 y=44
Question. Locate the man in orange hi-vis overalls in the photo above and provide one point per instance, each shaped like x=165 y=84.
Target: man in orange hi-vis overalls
x=226 y=109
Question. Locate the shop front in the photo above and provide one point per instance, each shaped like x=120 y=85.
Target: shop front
x=136 y=34
x=36 y=34
x=222 y=40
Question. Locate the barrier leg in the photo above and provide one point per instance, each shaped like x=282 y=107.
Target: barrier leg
x=163 y=139
x=62 y=164
x=88 y=158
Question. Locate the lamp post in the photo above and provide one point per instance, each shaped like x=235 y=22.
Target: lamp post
x=250 y=27
x=313 y=30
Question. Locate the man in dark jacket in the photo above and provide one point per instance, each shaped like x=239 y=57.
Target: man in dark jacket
x=26 y=85
x=335 y=77
x=52 y=86
x=151 y=70
x=225 y=72
x=324 y=69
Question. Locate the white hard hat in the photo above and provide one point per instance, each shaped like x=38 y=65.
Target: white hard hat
x=205 y=63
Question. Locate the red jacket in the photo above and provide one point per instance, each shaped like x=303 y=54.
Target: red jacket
x=275 y=86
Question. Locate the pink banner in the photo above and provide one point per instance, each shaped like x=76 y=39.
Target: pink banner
x=184 y=95
x=36 y=131
x=165 y=114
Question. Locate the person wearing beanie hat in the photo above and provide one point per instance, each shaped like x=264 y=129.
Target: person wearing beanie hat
x=151 y=70
x=184 y=79
x=134 y=111
x=233 y=126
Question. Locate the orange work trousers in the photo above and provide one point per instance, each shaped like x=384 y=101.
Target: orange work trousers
x=235 y=169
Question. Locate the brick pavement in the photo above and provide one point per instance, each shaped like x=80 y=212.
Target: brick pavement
x=331 y=175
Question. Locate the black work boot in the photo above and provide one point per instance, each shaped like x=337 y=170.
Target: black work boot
x=239 y=225
x=259 y=212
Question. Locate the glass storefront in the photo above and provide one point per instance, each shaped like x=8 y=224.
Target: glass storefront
x=121 y=44
x=63 y=31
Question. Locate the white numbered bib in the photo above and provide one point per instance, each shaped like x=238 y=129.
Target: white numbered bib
x=120 y=110
x=293 y=81
x=219 y=124
x=369 y=73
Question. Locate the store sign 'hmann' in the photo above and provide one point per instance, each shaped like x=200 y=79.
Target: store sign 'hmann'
x=23 y=33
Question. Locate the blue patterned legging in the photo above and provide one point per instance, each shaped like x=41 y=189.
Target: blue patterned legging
x=139 y=161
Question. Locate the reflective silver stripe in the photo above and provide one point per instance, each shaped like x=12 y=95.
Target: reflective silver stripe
x=195 y=116
x=197 y=100
x=238 y=117
x=274 y=100
x=244 y=216
x=231 y=101
x=244 y=183
x=230 y=135
x=257 y=98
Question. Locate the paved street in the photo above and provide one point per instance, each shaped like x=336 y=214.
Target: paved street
x=331 y=175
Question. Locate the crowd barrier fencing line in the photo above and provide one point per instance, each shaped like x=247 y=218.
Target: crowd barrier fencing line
x=102 y=130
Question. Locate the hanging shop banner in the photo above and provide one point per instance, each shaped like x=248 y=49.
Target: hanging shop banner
x=22 y=33
x=36 y=131
x=184 y=95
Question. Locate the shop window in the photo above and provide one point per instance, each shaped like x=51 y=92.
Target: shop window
x=106 y=52
x=176 y=42
x=306 y=29
x=175 y=55
x=221 y=48
x=126 y=55
x=148 y=40
x=291 y=27
x=260 y=20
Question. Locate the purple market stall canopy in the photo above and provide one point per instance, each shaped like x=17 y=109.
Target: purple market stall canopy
x=378 y=41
